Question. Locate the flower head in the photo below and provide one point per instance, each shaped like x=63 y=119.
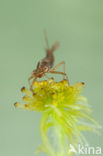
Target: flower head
x=64 y=110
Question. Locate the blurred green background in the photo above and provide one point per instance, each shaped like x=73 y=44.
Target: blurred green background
x=78 y=26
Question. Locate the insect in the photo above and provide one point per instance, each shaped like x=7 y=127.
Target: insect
x=45 y=65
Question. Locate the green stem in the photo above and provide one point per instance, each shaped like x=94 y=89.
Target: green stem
x=43 y=131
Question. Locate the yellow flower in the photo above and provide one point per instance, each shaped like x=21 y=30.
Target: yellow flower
x=65 y=113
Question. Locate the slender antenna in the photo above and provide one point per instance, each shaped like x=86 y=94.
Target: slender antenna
x=46 y=39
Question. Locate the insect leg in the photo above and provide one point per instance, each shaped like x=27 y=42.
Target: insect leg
x=31 y=77
x=31 y=86
x=57 y=72
x=61 y=63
